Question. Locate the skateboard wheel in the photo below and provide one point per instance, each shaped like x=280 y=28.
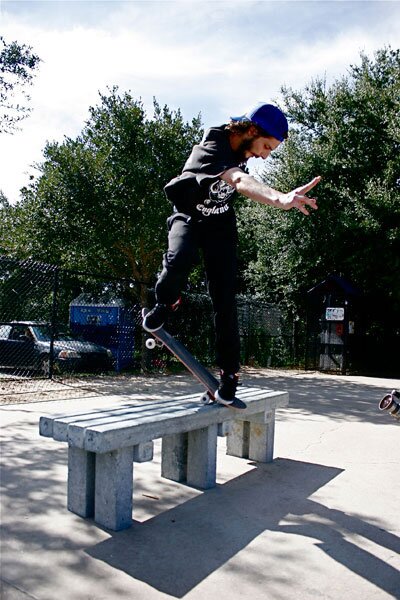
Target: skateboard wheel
x=150 y=344
x=205 y=398
x=391 y=404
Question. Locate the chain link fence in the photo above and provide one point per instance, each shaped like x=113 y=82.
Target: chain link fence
x=60 y=326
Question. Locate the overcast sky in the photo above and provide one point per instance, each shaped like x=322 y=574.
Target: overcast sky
x=216 y=57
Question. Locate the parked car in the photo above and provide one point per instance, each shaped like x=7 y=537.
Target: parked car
x=27 y=345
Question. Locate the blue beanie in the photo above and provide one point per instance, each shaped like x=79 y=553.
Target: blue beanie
x=268 y=117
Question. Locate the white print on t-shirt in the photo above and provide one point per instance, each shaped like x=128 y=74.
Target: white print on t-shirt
x=214 y=210
x=220 y=193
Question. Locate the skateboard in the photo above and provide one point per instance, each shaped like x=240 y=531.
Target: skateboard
x=161 y=338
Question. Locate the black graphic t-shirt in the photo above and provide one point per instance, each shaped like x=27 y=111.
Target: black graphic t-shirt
x=199 y=191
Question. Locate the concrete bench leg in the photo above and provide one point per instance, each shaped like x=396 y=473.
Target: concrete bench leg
x=261 y=446
x=174 y=449
x=202 y=457
x=143 y=452
x=113 y=489
x=191 y=457
x=253 y=439
x=238 y=440
x=81 y=469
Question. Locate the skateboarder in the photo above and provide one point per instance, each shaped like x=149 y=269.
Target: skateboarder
x=203 y=219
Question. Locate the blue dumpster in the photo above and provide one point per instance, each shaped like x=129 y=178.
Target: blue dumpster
x=110 y=324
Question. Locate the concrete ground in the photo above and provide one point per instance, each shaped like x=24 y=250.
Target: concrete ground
x=321 y=521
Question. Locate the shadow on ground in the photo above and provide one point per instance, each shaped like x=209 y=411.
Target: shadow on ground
x=333 y=398
x=178 y=549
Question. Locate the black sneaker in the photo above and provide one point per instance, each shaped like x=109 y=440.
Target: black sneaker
x=155 y=318
x=226 y=392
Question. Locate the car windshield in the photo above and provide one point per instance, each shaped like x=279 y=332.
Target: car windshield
x=43 y=334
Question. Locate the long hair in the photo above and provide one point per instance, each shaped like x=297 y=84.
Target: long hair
x=240 y=127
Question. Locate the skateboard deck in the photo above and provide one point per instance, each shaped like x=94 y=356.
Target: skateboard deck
x=161 y=337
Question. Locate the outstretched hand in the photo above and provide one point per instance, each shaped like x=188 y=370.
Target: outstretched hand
x=297 y=198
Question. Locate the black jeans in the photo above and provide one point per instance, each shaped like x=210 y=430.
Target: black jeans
x=218 y=244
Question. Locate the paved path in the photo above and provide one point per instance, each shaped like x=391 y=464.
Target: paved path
x=322 y=521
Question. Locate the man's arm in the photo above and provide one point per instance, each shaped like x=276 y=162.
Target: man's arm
x=255 y=190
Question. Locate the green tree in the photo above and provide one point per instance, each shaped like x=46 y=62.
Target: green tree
x=5 y=209
x=349 y=133
x=99 y=204
x=17 y=66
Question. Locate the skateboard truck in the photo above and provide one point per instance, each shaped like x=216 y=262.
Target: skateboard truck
x=390 y=403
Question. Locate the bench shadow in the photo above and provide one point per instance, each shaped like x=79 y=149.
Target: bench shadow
x=176 y=550
x=246 y=525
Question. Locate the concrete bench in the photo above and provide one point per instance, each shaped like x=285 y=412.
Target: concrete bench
x=104 y=443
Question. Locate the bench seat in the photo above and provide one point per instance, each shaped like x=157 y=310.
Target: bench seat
x=104 y=443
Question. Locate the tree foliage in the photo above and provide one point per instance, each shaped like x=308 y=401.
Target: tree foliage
x=17 y=66
x=349 y=133
x=99 y=204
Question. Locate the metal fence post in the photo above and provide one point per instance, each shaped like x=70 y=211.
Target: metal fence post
x=53 y=321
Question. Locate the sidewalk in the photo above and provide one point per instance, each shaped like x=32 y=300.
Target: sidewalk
x=321 y=521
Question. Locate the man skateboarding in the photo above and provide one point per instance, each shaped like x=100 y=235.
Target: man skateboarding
x=203 y=219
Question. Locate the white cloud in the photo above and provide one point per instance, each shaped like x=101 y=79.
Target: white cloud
x=213 y=57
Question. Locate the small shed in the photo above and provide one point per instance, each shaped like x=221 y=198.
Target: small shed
x=332 y=320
